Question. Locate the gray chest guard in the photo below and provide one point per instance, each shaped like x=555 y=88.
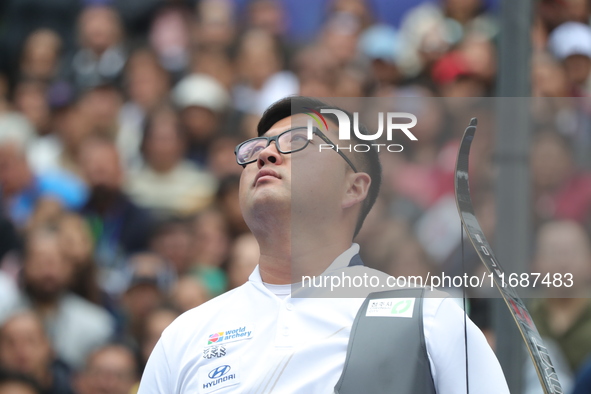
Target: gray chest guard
x=387 y=353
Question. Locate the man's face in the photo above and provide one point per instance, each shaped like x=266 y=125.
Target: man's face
x=13 y=169
x=101 y=165
x=317 y=178
x=110 y=371
x=24 y=346
x=46 y=271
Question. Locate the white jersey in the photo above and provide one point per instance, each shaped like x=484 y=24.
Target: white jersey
x=252 y=340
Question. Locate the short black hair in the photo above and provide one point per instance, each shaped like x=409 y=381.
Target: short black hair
x=368 y=162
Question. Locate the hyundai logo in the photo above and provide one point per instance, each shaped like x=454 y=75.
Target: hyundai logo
x=219 y=371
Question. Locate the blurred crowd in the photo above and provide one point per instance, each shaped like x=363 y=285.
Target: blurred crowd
x=119 y=187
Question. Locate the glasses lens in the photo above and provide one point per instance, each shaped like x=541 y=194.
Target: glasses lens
x=250 y=150
x=293 y=140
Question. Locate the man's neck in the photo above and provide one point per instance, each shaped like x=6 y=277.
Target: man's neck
x=284 y=260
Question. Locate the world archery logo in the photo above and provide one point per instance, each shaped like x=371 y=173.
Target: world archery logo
x=236 y=334
x=215 y=337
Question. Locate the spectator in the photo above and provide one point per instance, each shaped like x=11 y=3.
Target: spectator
x=25 y=348
x=100 y=106
x=30 y=98
x=564 y=248
x=74 y=325
x=150 y=279
x=167 y=184
x=169 y=35
x=188 y=293
x=14 y=383
x=41 y=56
x=110 y=369
x=202 y=100
x=76 y=245
x=211 y=241
x=119 y=227
x=101 y=56
x=156 y=322
x=560 y=190
x=172 y=240
x=571 y=44
x=261 y=79
x=22 y=188
x=147 y=84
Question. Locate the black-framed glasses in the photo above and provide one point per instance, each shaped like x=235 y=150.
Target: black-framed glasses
x=292 y=140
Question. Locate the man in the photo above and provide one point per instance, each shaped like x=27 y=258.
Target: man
x=14 y=383
x=111 y=369
x=119 y=227
x=75 y=326
x=25 y=348
x=22 y=189
x=304 y=207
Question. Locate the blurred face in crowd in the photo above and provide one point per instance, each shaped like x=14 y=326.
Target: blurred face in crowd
x=258 y=58
x=169 y=36
x=243 y=259
x=462 y=10
x=548 y=78
x=75 y=239
x=550 y=162
x=563 y=247
x=145 y=295
x=210 y=238
x=30 y=99
x=267 y=15
x=41 y=54
x=340 y=37
x=24 y=347
x=15 y=174
x=15 y=387
x=147 y=81
x=174 y=244
x=99 y=28
x=216 y=27
x=163 y=144
x=109 y=370
x=100 y=164
x=188 y=293
x=46 y=272
x=577 y=69
x=72 y=128
x=100 y=108
x=200 y=123
x=156 y=322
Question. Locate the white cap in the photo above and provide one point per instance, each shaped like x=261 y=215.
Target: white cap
x=200 y=90
x=570 y=38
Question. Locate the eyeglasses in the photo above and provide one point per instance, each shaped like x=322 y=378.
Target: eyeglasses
x=289 y=141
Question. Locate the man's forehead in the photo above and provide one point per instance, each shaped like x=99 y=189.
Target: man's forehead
x=298 y=120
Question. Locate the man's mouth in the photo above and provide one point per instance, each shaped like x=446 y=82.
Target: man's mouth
x=265 y=173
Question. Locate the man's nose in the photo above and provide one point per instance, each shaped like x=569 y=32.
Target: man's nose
x=269 y=155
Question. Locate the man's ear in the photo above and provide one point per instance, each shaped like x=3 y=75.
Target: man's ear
x=357 y=188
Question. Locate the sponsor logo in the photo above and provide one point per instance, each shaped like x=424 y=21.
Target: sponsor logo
x=391 y=307
x=219 y=371
x=236 y=334
x=214 y=351
x=217 y=378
